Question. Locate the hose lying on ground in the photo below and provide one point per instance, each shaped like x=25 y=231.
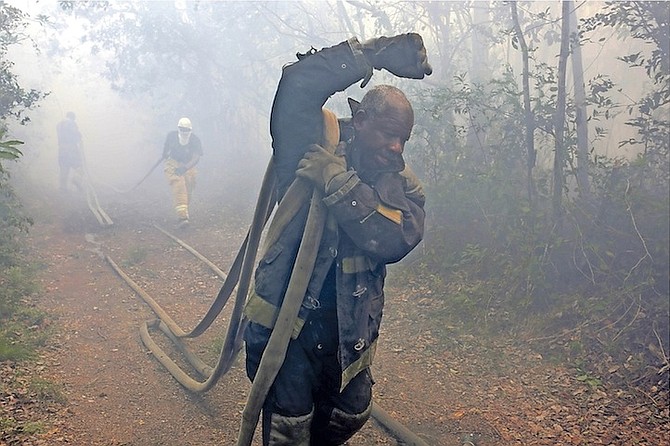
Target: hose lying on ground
x=92 y=201
x=240 y=275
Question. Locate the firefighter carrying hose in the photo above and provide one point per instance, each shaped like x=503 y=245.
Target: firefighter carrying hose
x=181 y=152
x=322 y=394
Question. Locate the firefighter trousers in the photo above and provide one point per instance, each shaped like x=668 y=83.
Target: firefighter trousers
x=304 y=406
x=181 y=187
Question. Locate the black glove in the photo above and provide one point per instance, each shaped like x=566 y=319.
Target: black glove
x=181 y=170
x=403 y=55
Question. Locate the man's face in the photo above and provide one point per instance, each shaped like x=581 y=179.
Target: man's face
x=381 y=139
x=184 y=135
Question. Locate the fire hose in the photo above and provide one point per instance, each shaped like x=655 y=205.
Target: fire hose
x=240 y=275
x=146 y=175
x=92 y=199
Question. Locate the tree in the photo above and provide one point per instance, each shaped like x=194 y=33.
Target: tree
x=559 y=117
x=14 y=100
x=649 y=23
x=529 y=129
x=581 y=122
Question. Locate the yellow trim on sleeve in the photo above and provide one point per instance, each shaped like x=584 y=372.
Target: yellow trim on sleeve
x=262 y=312
x=395 y=215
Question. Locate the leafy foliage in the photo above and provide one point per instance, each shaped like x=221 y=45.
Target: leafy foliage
x=12 y=222
x=648 y=22
x=16 y=282
x=8 y=149
x=501 y=261
x=14 y=100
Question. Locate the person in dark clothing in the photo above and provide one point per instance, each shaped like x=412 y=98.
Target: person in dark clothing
x=182 y=151
x=322 y=394
x=70 y=152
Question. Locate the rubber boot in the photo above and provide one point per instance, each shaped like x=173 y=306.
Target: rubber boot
x=341 y=427
x=289 y=431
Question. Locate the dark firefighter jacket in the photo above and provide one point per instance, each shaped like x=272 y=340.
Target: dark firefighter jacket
x=178 y=152
x=370 y=223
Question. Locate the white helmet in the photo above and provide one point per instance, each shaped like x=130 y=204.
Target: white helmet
x=184 y=123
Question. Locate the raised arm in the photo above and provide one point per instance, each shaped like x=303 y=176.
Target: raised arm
x=305 y=86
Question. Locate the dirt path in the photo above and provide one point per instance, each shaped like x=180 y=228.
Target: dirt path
x=442 y=388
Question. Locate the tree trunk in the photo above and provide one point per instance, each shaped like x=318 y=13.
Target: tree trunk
x=559 y=117
x=439 y=18
x=582 y=173
x=528 y=113
x=476 y=136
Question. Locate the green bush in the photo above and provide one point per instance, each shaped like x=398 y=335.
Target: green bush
x=15 y=284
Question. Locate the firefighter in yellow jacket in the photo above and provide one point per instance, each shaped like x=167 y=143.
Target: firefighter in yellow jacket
x=181 y=152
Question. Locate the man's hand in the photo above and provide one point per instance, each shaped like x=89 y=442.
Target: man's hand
x=403 y=55
x=320 y=166
x=181 y=170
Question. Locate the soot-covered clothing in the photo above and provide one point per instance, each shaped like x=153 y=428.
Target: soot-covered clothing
x=370 y=223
